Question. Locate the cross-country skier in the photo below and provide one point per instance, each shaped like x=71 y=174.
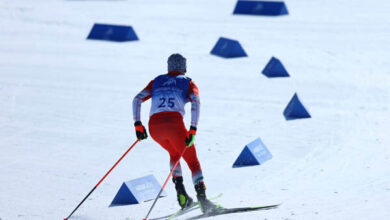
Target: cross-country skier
x=169 y=93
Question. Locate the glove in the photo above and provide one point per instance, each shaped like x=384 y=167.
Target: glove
x=190 y=139
x=140 y=131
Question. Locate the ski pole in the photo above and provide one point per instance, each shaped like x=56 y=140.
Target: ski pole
x=166 y=181
x=101 y=180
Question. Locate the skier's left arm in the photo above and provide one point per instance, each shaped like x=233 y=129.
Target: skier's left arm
x=144 y=95
x=193 y=96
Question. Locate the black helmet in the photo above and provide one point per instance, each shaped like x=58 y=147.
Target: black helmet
x=177 y=62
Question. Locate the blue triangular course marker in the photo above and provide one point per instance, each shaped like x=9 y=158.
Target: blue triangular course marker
x=109 y=32
x=228 y=48
x=275 y=68
x=254 y=153
x=295 y=109
x=124 y=197
x=136 y=191
x=283 y=11
x=266 y=8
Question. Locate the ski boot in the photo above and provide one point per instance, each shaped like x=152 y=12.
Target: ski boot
x=184 y=200
x=206 y=206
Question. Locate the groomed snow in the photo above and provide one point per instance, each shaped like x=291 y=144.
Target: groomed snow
x=65 y=106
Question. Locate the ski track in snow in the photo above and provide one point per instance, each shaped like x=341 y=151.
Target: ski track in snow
x=65 y=106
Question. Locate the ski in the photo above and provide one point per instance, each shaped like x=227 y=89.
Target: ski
x=224 y=211
x=180 y=212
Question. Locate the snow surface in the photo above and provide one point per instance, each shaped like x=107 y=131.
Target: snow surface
x=65 y=106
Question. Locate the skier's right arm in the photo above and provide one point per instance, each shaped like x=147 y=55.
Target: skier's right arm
x=144 y=95
x=193 y=96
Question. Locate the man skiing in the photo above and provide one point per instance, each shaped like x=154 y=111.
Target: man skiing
x=169 y=93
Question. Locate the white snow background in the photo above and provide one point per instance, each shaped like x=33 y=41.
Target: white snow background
x=65 y=106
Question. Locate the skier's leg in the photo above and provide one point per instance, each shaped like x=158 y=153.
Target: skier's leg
x=177 y=139
x=182 y=197
x=161 y=133
x=177 y=136
x=193 y=163
x=174 y=157
x=197 y=176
